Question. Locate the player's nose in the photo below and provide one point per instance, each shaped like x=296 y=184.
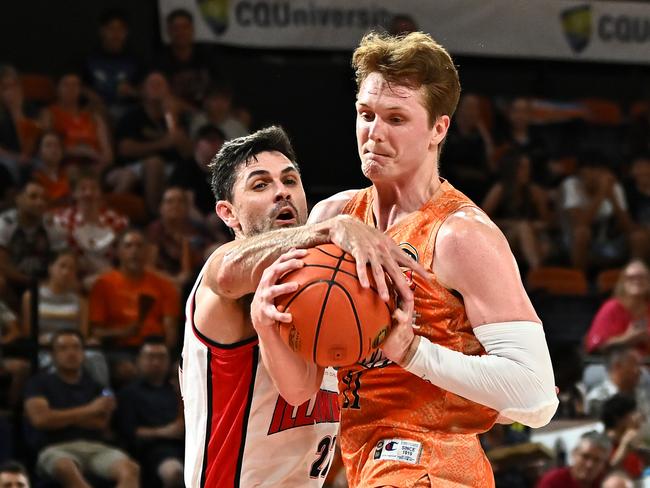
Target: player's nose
x=376 y=129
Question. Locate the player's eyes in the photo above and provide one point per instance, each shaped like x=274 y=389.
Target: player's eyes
x=366 y=116
x=260 y=185
x=291 y=181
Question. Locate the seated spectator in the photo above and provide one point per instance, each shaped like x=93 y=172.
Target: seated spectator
x=89 y=227
x=469 y=148
x=568 y=368
x=86 y=139
x=62 y=307
x=622 y=422
x=70 y=414
x=623 y=366
x=519 y=135
x=111 y=69
x=130 y=303
x=190 y=67
x=520 y=208
x=617 y=479
x=27 y=238
x=588 y=464
x=150 y=416
x=151 y=142
x=624 y=319
x=13 y=358
x=18 y=129
x=638 y=196
x=218 y=111
x=13 y=475
x=593 y=208
x=194 y=174
x=48 y=170
x=179 y=241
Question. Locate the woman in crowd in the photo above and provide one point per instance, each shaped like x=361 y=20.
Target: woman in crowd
x=624 y=319
x=61 y=306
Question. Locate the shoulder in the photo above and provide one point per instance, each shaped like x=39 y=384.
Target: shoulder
x=108 y=279
x=469 y=244
x=612 y=305
x=161 y=282
x=332 y=206
x=467 y=230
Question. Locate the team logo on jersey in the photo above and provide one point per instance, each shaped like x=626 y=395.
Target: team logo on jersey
x=324 y=409
x=412 y=252
x=398 y=450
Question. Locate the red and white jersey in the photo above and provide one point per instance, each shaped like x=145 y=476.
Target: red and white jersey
x=239 y=431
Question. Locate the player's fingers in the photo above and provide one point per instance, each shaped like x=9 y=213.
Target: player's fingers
x=292 y=254
x=362 y=272
x=278 y=290
x=405 y=260
x=281 y=269
x=380 y=280
x=285 y=318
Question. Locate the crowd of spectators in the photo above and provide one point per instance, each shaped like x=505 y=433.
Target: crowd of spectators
x=106 y=216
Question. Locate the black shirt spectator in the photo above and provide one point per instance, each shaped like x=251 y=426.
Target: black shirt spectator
x=61 y=394
x=150 y=416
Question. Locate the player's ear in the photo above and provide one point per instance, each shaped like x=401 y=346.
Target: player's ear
x=226 y=212
x=439 y=130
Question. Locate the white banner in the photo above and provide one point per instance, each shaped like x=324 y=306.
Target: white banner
x=611 y=31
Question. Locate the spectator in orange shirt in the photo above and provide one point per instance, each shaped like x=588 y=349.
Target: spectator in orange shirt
x=49 y=172
x=85 y=134
x=18 y=131
x=130 y=303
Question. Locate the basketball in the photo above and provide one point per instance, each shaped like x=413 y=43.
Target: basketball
x=335 y=322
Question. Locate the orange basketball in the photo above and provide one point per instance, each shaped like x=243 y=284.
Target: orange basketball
x=336 y=322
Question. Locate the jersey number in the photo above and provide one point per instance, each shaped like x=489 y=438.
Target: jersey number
x=324 y=451
x=352 y=384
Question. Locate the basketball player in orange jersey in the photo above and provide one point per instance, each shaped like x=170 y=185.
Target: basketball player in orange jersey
x=474 y=350
x=239 y=431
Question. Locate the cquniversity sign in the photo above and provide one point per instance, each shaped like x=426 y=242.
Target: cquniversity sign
x=613 y=31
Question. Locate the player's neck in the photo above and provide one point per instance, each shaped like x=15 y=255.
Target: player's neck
x=395 y=200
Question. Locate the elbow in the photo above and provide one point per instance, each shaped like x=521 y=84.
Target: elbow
x=537 y=411
x=224 y=283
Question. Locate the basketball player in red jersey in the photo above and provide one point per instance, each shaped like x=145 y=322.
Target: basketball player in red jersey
x=474 y=350
x=239 y=430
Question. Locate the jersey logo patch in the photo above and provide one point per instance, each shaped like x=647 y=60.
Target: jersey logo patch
x=325 y=409
x=398 y=450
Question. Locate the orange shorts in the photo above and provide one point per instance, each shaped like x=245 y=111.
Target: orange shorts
x=394 y=458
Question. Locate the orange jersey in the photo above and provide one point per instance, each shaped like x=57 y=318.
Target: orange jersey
x=379 y=398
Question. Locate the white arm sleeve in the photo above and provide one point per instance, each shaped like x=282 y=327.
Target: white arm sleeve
x=515 y=377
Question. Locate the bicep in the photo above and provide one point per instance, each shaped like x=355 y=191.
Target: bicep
x=474 y=258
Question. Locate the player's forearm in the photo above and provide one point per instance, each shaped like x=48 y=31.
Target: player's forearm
x=296 y=380
x=515 y=378
x=237 y=270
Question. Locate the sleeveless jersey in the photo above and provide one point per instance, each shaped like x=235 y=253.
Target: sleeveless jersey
x=239 y=431
x=376 y=394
